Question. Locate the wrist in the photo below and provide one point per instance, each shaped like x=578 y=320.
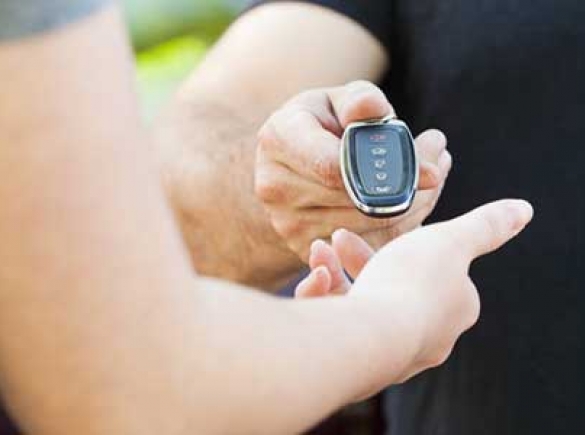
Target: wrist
x=244 y=250
x=396 y=324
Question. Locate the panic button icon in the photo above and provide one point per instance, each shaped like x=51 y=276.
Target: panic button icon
x=377 y=138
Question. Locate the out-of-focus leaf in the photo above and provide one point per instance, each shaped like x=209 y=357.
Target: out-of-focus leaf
x=171 y=37
x=162 y=68
x=154 y=21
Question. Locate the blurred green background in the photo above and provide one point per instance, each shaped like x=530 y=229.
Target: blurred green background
x=170 y=37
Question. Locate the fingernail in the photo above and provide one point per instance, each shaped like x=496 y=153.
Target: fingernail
x=312 y=277
x=524 y=213
x=439 y=137
x=527 y=211
x=320 y=272
x=338 y=234
x=445 y=161
x=315 y=245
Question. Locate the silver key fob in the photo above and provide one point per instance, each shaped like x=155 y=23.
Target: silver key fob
x=379 y=166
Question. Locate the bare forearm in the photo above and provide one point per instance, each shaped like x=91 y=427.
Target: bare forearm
x=104 y=328
x=207 y=138
x=205 y=358
x=207 y=152
x=314 y=356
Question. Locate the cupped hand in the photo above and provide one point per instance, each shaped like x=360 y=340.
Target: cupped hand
x=333 y=265
x=423 y=276
x=298 y=177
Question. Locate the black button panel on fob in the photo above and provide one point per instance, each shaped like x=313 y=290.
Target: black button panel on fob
x=379 y=166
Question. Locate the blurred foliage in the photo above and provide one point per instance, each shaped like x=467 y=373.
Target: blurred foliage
x=162 y=68
x=154 y=21
x=170 y=37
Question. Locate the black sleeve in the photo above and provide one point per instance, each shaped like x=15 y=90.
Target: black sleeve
x=374 y=15
x=20 y=18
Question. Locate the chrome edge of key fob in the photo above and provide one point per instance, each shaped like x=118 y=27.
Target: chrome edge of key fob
x=373 y=205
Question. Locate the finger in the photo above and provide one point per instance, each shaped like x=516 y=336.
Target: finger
x=353 y=251
x=425 y=201
x=379 y=238
x=295 y=138
x=420 y=211
x=302 y=225
x=311 y=224
x=318 y=103
x=325 y=220
x=358 y=101
x=277 y=184
x=334 y=209
x=445 y=165
x=430 y=147
x=316 y=284
x=323 y=255
x=328 y=219
x=429 y=176
x=487 y=228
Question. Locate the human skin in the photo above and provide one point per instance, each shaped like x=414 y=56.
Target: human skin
x=279 y=190
x=298 y=175
x=105 y=328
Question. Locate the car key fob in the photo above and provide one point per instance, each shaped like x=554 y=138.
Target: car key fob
x=379 y=166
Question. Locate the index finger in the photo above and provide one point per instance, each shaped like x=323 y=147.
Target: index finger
x=295 y=138
x=488 y=228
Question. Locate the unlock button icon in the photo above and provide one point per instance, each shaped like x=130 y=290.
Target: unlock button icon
x=380 y=163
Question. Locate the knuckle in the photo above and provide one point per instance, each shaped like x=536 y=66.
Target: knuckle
x=451 y=241
x=306 y=96
x=379 y=237
x=267 y=138
x=440 y=353
x=440 y=357
x=303 y=250
x=288 y=228
x=362 y=86
x=281 y=125
x=269 y=191
x=493 y=229
x=328 y=171
x=474 y=308
x=296 y=119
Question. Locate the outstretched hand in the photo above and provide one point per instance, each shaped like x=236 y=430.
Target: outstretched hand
x=425 y=273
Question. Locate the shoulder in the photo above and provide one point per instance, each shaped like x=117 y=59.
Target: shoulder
x=21 y=18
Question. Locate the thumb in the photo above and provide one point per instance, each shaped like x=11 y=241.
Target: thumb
x=352 y=250
x=489 y=227
x=359 y=101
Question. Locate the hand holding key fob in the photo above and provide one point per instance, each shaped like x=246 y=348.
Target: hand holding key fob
x=379 y=166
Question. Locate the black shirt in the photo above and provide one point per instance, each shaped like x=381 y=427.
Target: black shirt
x=505 y=79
